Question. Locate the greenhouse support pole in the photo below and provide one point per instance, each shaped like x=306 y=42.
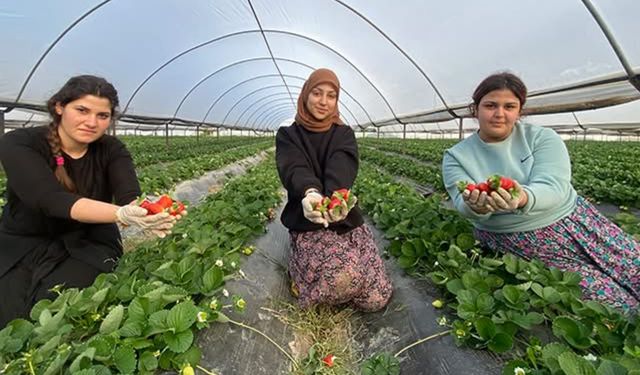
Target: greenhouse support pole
x=166 y=134
x=460 y=132
x=218 y=132
x=198 y=133
x=404 y=131
x=1 y=123
x=363 y=135
x=378 y=132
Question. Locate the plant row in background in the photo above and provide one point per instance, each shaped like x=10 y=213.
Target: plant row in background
x=499 y=301
x=185 y=169
x=143 y=316
x=152 y=150
x=602 y=171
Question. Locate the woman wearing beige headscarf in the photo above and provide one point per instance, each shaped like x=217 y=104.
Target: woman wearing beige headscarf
x=334 y=258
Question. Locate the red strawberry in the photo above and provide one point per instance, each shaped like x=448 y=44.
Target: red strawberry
x=165 y=201
x=344 y=193
x=152 y=208
x=483 y=187
x=471 y=187
x=176 y=208
x=322 y=205
x=328 y=360
x=333 y=203
x=506 y=183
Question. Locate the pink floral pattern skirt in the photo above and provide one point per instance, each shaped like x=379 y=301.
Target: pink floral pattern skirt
x=333 y=269
x=585 y=242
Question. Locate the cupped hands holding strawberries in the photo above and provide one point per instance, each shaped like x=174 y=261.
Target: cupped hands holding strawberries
x=496 y=194
x=325 y=210
x=154 y=217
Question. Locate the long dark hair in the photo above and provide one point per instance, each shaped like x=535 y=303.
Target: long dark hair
x=75 y=88
x=499 y=81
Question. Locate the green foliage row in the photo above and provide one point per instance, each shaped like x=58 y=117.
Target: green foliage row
x=499 y=300
x=143 y=316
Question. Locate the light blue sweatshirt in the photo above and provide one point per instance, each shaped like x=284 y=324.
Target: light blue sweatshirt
x=534 y=156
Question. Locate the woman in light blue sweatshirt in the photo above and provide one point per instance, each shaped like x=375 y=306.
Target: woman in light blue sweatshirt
x=545 y=219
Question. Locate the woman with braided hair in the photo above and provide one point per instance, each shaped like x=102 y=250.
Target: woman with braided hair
x=68 y=184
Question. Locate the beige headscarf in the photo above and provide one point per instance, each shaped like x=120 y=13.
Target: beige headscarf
x=304 y=117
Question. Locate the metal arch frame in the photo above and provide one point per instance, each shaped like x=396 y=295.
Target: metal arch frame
x=260 y=118
x=404 y=53
x=290 y=76
x=267 y=124
x=175 y=114
x=53 y=44
x=270 y=116
x=262 y=99
x=364 y=76
x=264 y=106
x=255 y=116
x=266 y=42
x=301 y=64
x=633 y=78
x=204 y=118
x=274 y=121
x=262 y=32
x=346 y=107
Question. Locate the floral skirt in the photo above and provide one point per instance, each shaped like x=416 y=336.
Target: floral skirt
x=585 y=242
x=330 y=268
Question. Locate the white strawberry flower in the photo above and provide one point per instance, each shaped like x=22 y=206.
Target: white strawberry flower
x=202 y=316
x=219 y=263
x=225 y=292
x=519 y=371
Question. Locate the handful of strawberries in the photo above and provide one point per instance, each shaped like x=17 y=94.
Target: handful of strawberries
x=335 y=203
x=493 y=183
x=163 y=204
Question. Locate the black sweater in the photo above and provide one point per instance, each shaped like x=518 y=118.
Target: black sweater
x=38 y=208
x=326 y=161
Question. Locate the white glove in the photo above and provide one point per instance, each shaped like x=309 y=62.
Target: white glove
x=477 y=201
x=310 y=200
x=502 y=201
x=158 y=224
x=338 y=216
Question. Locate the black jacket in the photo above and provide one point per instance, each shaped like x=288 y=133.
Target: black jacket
x=37 y=212
x=326 y=161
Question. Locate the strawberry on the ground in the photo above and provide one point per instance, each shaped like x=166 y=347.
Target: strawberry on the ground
x=328 y=360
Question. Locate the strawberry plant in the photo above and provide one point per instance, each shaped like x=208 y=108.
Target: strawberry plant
x=498 y=299
x=143 y=316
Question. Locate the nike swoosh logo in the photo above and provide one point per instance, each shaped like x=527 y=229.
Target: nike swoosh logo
x=525 y=158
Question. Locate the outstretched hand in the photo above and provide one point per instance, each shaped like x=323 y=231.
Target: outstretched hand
x=477 y=201
x=310 y=200
x=503 y=201
x=159 y=224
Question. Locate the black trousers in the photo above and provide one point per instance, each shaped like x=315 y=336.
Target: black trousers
x=30 y=280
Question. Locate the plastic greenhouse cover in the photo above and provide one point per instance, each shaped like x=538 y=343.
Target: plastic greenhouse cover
x=242 y=63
